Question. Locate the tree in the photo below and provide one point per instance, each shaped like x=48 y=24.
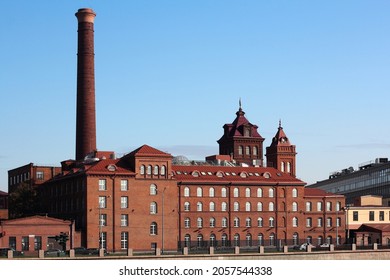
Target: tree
x=23 y=201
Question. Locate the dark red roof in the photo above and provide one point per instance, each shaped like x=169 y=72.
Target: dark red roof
x=109 y=166
x=226 y=174
x=146 y=150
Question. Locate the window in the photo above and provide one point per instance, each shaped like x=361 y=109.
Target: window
x=319 y=222
x=224 y=206
x=199 y=206
x=240 y=150
x=381 y=215
x=236 y=222
x=153 y=208
x=236 y=206
x=156 y=170
x=248 y=206
x=224 y=242
x=199 y=240
x=260 y=222
x=259 y=192
x=248 y=240
x=260 y=239
x=255 y=151
x=102 y=185
x=153 y=228
x=328 y=222
x=259 y=206
x=271 y=206
x=103 y=220
x=271 y=192
x=212 y=240
x=319 y=240
x=25 y=243
x=224 y=222
x=142 y=169
x=308 y=222
x=187 y=240
x=372 y=216
x=211 y=192
x=186 y=192
x=295 y=238
x=149 y=170
x=271 y=222
x=223 y=192
x=308 y=206
x=124 y=220
x=288 y=167
x=199 y=192
x=187 y=223
x=338 y=222
x=12 y=242
x=248 y=222
x=295 y=207
x=212 y=206
x=338 y=206
x=235 y=192
x=295 y=222
x=199 y=222
x=153 y=189
x=319 y=206
x=124 y=202
x=124 y=185
x=124 y=240
x=282 y=166
x=186 y=206
x=102 y=202
x=355 y=216
x=294 y=193
x=247 y=192
x=37 y=243
x=212 y=222
x=248 y=150
x=163 y=170
x=272 y=239
x=328 y=206
x=236 y=240
x=39 y=175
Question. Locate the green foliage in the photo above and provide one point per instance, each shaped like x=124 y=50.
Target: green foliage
x=23 y=201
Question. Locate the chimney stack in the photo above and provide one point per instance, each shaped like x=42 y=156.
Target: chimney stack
x=86 y=116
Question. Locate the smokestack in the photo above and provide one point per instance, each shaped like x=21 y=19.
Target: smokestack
x=85 y=118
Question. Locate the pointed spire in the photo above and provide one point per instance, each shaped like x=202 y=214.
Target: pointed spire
x=280 y=123
x=239 y=103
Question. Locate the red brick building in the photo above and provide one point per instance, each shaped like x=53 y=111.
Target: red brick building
x=142 y=200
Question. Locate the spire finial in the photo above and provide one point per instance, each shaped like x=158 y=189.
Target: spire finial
x=239 y=103
x=280 y=123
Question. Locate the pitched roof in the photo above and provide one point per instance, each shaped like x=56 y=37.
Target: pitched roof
x=318 y=192
x=226 y=174
x=280 y=139
x=109 y=166
x=146 y=150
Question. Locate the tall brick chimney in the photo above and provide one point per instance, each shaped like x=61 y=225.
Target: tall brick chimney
x=86 y=116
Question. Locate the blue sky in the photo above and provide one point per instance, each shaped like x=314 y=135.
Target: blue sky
x=170 y=73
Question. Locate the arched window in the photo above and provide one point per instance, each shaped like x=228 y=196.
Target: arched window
x=211 y=206
x=199 y=240
x=211 y=192
x=328 y=206
x=255 y=151
x=271 y=192
x=248 y=150
x=163 y=170
x=319 y=240
x=224 y=206
x=199 y=222
x=236 y=222
x=199 y=192
x=259 y=206
x=212 y=222
x=187 y=240
x=248 y=239
x=259 y=192
x=260 y=239
x=149 y=170
x=236 y=240
x=240 y=150
x=288 y=167
x=199 y=206
x=186 y=191
x=248 y=222
x=236 y=192
x=153 y=208
x=295 y=239
x=236 y=206
x=213 y=243
x=260 y=222
x=224 y=240
x=142 y=169
x=187 y=223
x=295 y=222
x=295 y=207
x=271 y=222
x=294 y=193
x=282 y=166
x=155 y=170
x=223 y=192
x=308 y=206
x=248 y=206
x=186 y=206
x=153 y=228
x=271 y=206
x=153 y=189
x=272 y=239
x=247 y=192
x=224 y=222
